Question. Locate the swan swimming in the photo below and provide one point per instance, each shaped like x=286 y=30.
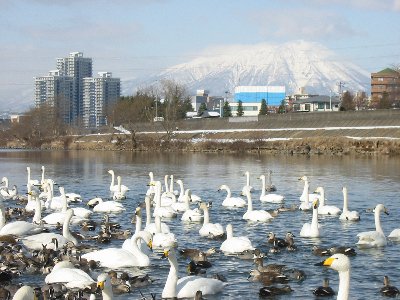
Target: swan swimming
x=230 y=201
x=372 y=239
x=66 y=273
x=191 y=215
x=311 y=197
x=160 y=239
x=120 y=258
x=247 y=186
x=255 y=215
x=114 y=187
x=237 y=244
x=188 y=286
x=348 y=215
x=271 y=198
x=312 y=230
x=209 y=230
x=326 y=209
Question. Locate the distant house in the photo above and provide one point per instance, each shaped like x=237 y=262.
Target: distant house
x=317 y=103
x=385 y=81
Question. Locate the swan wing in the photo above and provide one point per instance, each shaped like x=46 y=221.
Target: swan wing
x=20 y=228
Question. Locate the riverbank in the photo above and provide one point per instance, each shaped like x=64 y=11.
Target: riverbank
x=342 y=133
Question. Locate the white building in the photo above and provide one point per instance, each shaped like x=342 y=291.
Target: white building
x=57 y=91
x=99 y=93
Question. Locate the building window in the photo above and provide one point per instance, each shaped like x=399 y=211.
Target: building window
x=321 y=105
x=380 y=78
x=307 y=107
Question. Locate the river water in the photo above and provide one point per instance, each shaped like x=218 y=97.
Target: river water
x=370 y=180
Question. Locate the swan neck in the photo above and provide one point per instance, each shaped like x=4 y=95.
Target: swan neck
x=206 y=215
x=269 y=179
x=229 y=232
x=378 y=221
x=171 y=184
x=306 y=192
x=322 y=198
x=187 y=205
x=138 y=225
x=181 y=193
x=249 y=201
x=67 y=219
x=166 y=183
x=169 y=290
x=119 y=184
x=42 y=174
x=263 y=186
x=38 y=211
x=314 y=221
x=65 y=205
x=107 y=293
x=112 y=180
x=344 y=285
x=345 y=202
x=158 y=224
x=148 y=211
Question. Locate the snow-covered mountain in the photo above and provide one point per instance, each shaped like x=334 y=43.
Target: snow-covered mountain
x=293 y=65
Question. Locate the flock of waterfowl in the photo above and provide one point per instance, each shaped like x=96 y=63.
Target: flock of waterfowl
x=36 y=238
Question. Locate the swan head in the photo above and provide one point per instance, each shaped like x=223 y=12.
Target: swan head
x=223 y=187
x=304 y=178
x=315 y=204
x=319 y=189
x=138 y=211
x=338 y=262
x=381 y=207
x=104 y=282
x=344 y=189
x=261 y=177
x=245 y=191
x=205 y=205
x=110 y=172
x=167 y=252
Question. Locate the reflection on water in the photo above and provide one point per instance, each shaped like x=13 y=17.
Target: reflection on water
x=370 y=180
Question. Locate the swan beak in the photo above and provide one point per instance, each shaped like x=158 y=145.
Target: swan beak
x=315 y=204
x=165 y=254
x=137 y=211
x=100 y=285
x=386 y=212
x=150 y=245
x=327 y=262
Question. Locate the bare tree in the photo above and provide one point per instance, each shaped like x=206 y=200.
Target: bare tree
x=347 y=101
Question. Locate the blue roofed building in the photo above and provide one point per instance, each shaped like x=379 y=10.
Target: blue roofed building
x=251 y=97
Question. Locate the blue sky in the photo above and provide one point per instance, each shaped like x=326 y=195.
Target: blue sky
x=130 y=37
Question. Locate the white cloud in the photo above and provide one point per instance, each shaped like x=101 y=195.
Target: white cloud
x=303 y=24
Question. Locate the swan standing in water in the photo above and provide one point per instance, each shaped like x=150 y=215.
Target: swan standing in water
x=209 y=230
x=237 y=244
x=312 y=230
x=372 y=239
x=188 y=286
x=271 y=198
x=121 y=258
x=346 y=214
x=326 y=209
x=230 y=201
x=255 y=215
x=340 y=263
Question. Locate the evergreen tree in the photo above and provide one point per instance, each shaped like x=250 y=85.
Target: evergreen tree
x=347 y=102
x=240 y=111
x=226 y=110
x=263 y=108
x=282 y=107
x=202 y=108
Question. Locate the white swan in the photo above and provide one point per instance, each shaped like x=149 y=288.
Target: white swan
x=348 y=215
x=121 y=258
x=311 y=197
x=104 y=284
x=194 y=198
x=340 y=263
x=188 y=286
x=36 y=242
x=66 y=273
x=108 y=206
x=171 y=185
x=160 y=239
x=247 y=186
x=162 y=211
x=166 y=197
x=54 y=202
x=180 y=206
x=255 y=215
x=312 y=230
x=151 y=227
x=191 y=215
x=119 y=194
x=141 y=243
x=209 y=230
x=151 y=189
x=25 y=293
x=5 y=191
x=271 y=198
x=326 y=209
x=113 y=186
x=31 y=181
x=32 y=204
x=395 y=235
x=20 y=228
x=371 y=239
x=306 y=203
x=58 y=217
x=230 y=201
x=234 y=245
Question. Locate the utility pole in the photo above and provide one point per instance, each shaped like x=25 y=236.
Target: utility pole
x=340 y=85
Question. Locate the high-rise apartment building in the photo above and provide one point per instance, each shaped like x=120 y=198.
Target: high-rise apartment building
x=57 y=91
x=79 y=67
x=386 y=82
x=76 y=95
x=99 y=93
